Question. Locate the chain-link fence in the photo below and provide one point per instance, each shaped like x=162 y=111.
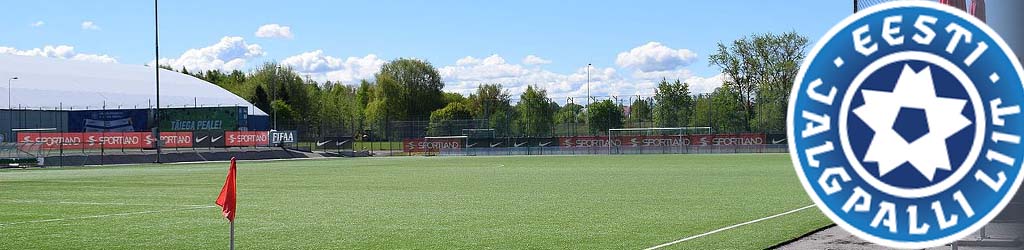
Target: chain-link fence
x=568 y=126
x=572 y=128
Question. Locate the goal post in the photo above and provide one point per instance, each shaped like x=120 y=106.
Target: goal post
x=652 y=140
x=446 y=145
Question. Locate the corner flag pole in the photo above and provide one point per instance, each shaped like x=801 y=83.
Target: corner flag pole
x=232 y=244
x=226 y=200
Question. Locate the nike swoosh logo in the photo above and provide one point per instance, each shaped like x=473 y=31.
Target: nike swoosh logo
x=321 y=144
x=495 y=145
x=201 y=139
x=471 y=145
x=545 y=144
x=215 y=139
x=341 y=143
x=519 y=144
x=777 y=142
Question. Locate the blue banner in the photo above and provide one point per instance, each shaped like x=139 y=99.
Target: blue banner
x=123 y=120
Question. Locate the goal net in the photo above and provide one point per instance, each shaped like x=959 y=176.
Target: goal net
x=652 y=140
x=479 y=133
x=446 y=145
x=22 y=154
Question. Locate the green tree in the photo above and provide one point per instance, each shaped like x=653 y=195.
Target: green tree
x=419 y=87
x=488 y=99
x=285 y=113
x=674 y=105
x=761 y=70
x=383 y=108
x=260 y=99
x=492 y=102
x=603 y=115
x=727 y=111
x=441 y=120
x=640 y=111
x=569 y=114
x=339 y=112
x=535 y=114
x=454 y=98
x=702 y=112
x=365 y=92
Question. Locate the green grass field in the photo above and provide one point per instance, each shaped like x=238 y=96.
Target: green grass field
x=546 y=202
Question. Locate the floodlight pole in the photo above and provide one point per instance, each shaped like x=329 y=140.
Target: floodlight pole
x=273 y=91
x=588 y=96
x=156 y=115
x=10 y=111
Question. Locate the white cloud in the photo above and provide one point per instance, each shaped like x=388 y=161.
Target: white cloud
x=491 y=68
x=607 y=82
x=321 y=67
x=698 y=84
x=230 y=53
x=654 y=56
x=89 y=25
x=470 y=72
x=61 y=52
x=704 y=85
x=535 y=60
x=274 y=31
x=38 y=24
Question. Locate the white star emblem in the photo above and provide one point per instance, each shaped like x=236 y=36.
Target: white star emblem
x=927 y=153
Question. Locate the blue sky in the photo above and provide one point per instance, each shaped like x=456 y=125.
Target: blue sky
x=630 y=43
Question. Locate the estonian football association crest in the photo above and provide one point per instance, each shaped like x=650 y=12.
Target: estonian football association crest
x=905 y=124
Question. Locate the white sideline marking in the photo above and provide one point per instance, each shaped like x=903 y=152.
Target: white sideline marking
x=103 y=215
x=727 y=228
x=97 y=203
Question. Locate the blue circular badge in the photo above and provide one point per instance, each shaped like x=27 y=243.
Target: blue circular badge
x=906 y=125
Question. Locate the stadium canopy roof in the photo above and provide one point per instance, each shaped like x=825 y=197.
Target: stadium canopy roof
x=48 y=83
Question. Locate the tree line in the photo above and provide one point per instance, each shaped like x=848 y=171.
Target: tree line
x=758 y=74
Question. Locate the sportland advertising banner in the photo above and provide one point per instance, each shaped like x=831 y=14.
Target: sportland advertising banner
x=433 y=145
x=106 y=140
x=199 y=119
x=418 y=145
x=246 y=138
x=663 y=140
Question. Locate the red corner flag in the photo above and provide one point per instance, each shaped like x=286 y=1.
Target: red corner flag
x=226 y=200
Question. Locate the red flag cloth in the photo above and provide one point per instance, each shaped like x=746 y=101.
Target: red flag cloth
x=226 y=200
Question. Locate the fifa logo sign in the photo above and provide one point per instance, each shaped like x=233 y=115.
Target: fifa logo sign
x=905 y=124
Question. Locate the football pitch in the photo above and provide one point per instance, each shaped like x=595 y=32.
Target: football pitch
x=516 y=202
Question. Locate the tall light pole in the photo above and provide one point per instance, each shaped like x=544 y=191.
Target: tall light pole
x=9 y=91
x=156 y=48
x=588 y=95
x=273 y=91
x=10 y=111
